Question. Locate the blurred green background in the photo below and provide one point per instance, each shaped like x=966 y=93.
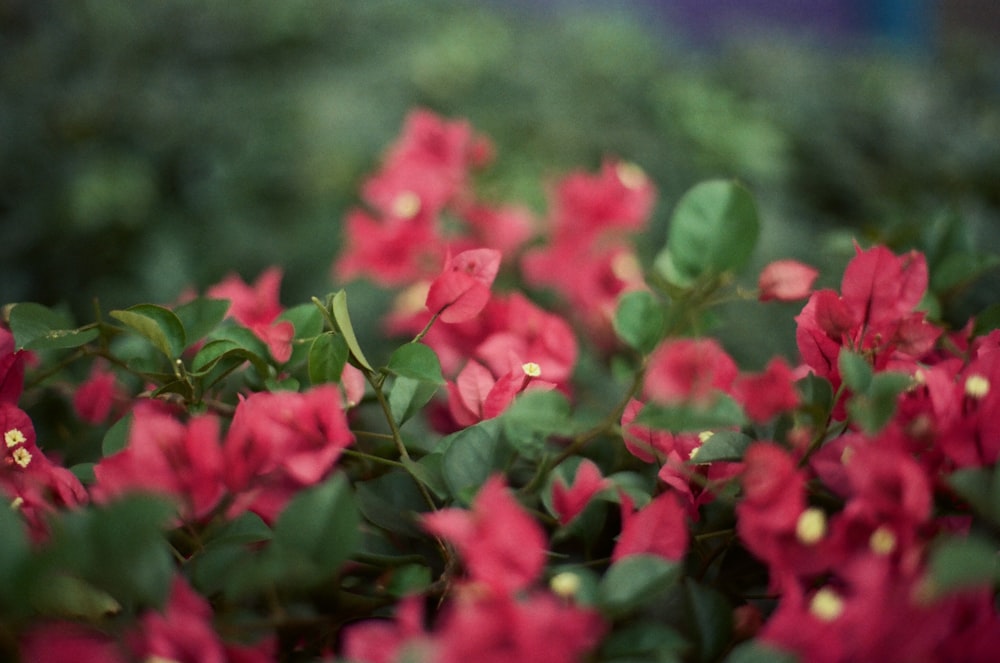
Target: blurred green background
x=146 y=147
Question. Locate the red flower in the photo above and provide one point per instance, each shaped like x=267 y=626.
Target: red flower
x=381 y=641
x=183 y=632
x=463 y=288
x=502 y=546
x=570 y=501
x=689 y=370
x=68 y=642
x=257 y=307
x=11 y=369
x=166 y=456
x=476 y=395
x=99 y=396
x=764 y=395
x=659 y=528
x=786 y=281
x=280 y=442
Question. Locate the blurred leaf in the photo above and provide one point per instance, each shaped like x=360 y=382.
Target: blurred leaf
x=15 y=552
x=341 y=315
x=957 y=564
x=36 y=327
x=200 y=316
x=634 y=580
x=855 y=370
x=327 y=357
x=416 y=361
x=158 y=325
x=408 y=579
x=639 y=320
x=873 y=409
x=316 y=532
x=987 y=320
x=722 y=412
x=713 y=229
x=244 y=528
x=644 y=641
x=392 y=502
x=116 y=437
x=980 y=487
x=755 y=651
x=69 y=597
x=724 y=445
x=711 y=619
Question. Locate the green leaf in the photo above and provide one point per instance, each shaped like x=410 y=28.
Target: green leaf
x=980 y=487
x=725 y=445
x=391 y=502
x=70 y=597
x=987 y=320
x=713 y=229
x=723 y=412
x=15 y=552
x=471 y=456
x=306 y=318
x=244 y=528
x=874 y=408
x=644 y=641
x=316 y=532
x=338 y=306
x=408 y=396
x=711 y=618
x=416 y=361
x=36 y=327
x=116 y=439
x=408 y=579
x=327 y=356
x=639 y=320
x=634 y=580
x=158 y=325
x=855 y=370
x=200 y=316
x=963 y=563
x=532 y=417
x=755 y=651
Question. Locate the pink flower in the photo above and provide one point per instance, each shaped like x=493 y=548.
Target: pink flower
x=501 y=545
x=99 y=396
x=68 y=642
x=569 y=501
x=659 y=528
x=257 y=308
x=463 y=288
x=476 y=395
x=11 y=368
x=182 y=632
x=382 y=641
x=786 y=281
x=280 y=442
x=689 y=370
x=166 y=456
x=764 y=395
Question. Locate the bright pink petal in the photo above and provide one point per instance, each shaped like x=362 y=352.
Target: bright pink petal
x=659 y=528
x=786 y=280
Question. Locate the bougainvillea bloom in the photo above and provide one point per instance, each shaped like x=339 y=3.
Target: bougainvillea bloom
x=786 y=281
x=688 y=370
x=69 y=642
x=182 y=632
x=11 y=368
x=463 y=287
x=570 y=500
x=659 y=528
x=280 y=442
x=501 y=545
x=257 y=307
x=164 y=455
x=99 y=396
x=475 y=395
x=769 y=393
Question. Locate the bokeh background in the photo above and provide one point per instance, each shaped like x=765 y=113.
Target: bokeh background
x=151 y=146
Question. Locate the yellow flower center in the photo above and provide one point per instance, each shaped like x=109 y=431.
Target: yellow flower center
x=882 y=541
x=810 y=528
x=565 y=584
x=630 y=174
x=21 y=456
x=406 y=205
x=14 y=437
x=977 y=386
x=531 y=369
x=826 y=605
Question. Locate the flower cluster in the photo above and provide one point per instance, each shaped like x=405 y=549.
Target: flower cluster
x=595 y=479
